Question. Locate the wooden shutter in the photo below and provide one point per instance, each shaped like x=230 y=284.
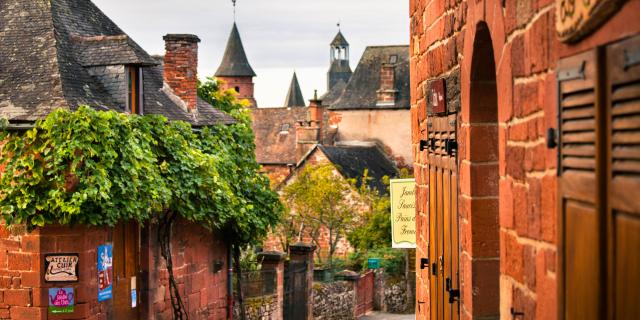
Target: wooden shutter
x=623 y=212
x=443 y=217
x=579 y=160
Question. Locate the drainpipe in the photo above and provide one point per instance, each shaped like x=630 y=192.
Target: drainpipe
x=229 y=283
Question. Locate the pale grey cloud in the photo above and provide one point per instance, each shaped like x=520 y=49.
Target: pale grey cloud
x=279 y=35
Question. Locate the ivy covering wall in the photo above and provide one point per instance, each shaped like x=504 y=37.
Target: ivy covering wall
x=98 y=168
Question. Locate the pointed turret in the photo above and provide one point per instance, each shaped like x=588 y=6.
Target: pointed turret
x=235 y=70
x=294 y=96
x=234 y=62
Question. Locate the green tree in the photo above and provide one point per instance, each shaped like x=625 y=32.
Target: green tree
x=322 y=201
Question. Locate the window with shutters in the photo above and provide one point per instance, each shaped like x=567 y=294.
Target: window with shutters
x=599 y=170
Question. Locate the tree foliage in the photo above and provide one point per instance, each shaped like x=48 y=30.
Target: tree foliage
x=322 y=201
x=98 y=168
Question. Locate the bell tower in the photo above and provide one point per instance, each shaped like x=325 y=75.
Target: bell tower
x=340 y=69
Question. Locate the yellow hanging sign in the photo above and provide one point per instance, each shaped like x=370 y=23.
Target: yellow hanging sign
x=403 y=213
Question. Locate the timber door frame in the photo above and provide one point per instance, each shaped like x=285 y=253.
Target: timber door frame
x=444 y=243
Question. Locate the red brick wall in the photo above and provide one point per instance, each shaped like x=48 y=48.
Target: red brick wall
x=244 y=84
x=181 y=67
x=523 y=204
x=23 y=292
x=195 y=252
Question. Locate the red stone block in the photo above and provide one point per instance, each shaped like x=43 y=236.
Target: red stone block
x=17 y=297
x=20 y=261
x=32 y=313
x=513 y=258
x=534 y=205
x=530 y=267
x=548 y=203
x=515 y=162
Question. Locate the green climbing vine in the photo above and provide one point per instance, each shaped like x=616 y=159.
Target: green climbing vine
x=98 y=168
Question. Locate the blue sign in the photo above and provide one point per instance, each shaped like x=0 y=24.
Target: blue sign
x=105 y=272
x=373 y=263
x=134 y=298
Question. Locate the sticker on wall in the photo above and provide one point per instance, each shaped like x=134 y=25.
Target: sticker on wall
x=105 y=272
x=134 y=298
x=61 y=300
x=61 y=267
x=134 y=293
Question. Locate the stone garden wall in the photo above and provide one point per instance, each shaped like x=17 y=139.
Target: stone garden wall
x=333 y=301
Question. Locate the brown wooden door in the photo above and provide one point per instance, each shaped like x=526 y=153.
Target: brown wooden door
x=443 y=218
x=599 y=168
x=126 y=268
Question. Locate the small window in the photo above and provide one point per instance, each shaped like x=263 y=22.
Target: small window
x=237 y=89
x=134 y=91
x=393 y=59
x=284 y=130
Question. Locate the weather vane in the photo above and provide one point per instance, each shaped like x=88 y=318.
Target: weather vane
x=234 y=10
x=338 y=24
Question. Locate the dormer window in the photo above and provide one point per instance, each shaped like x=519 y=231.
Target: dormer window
x=134 y=90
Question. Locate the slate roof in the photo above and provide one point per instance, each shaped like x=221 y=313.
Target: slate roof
x=234 y=62
x=332 y=95
x=294 y=95
x=361 y=90
x=51 y=51
x=339 y=40
x=275 y=131
x=352 y=161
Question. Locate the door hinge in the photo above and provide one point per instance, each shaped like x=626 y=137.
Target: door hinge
x=552 y=138
x=454 y=294
x=424 y=263
x=631 y=59
x=450 y=146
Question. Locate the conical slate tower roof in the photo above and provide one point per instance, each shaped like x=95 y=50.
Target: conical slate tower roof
x=339 y=40
x=235 y=63
x=294 y=96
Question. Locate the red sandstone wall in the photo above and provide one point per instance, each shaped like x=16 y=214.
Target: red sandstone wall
x=244 y=84
x=23 y=292
x=526 y=51
x=195 y=251
x=276 y=173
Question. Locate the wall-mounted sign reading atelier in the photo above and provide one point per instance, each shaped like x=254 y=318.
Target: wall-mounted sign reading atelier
x=578 y=18
x=61 y=267
x=105 y=272
x=403 y=213
x=61 y=300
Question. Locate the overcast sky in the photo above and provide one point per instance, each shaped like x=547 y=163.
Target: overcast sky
x=279 y=36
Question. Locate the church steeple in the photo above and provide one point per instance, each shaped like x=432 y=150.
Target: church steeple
x=294 y=96
x=340 y=69
x=235 y=70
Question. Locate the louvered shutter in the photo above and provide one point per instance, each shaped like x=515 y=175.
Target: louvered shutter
x=623 y=175
x=578 y=164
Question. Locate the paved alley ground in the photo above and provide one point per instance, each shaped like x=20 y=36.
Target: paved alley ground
x=387 y=316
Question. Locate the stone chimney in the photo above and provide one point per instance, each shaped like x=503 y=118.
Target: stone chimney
x=387 y=93
x=181 y=67
x=316 y=115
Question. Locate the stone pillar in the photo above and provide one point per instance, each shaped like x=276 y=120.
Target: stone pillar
x=351 y=277
x=274 y=260
x=378 y=290
x=304 y=252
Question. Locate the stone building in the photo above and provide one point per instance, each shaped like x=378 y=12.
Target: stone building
x=525 y=135
x=63 y=54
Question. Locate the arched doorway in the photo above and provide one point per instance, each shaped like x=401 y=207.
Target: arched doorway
x=479 y=195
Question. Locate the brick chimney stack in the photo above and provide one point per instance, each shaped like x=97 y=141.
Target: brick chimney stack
x=316 y=115
x=181 y=67
x=387 y=93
